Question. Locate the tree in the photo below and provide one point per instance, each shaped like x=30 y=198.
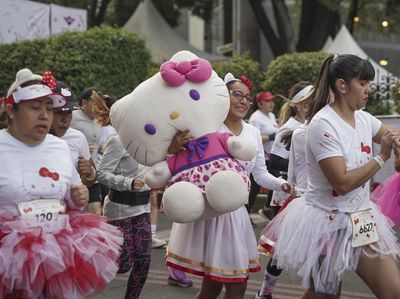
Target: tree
x=117 y=12
x=318 y=20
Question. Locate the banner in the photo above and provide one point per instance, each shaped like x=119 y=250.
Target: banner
x=67 y=19
x=22 y=20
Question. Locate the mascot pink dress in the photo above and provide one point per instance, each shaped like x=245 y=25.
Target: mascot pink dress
x=206 y=187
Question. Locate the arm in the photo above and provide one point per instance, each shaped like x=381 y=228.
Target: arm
x=397 y=160
x=378 y=137
x=179 y=141
x=254 y=121
x=343 y=180
x=87 y=171
x=260 y=171
x=113 y=153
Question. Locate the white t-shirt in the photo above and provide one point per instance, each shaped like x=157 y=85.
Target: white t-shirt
x=44 y=171
x=106 y=132
x=297 y=170
x=78 y=145
x=257 y=165
x=89 y=128
x=330 y=136
x=267 y=125
x=278 y=148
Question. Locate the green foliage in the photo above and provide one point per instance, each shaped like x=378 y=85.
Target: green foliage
x=113 y=61
x=16 y=56
x=240 y=64
x=288 y=69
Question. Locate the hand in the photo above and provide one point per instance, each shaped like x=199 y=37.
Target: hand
x=137 y=184
x=286 y=187
x=79 y=195
x=388 y=141
x=85 y=167
x=294 y=193
x=179 y=141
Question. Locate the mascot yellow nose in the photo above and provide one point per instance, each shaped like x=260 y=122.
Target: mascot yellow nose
x=174 y=115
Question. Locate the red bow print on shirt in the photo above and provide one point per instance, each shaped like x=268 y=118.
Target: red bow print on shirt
x=365 y=148
x=44 y=172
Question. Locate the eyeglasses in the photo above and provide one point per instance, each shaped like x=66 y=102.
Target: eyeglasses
x=240 y=96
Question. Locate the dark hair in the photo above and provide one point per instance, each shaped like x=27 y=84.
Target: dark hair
x=108 y=100
x=85 y=95
x=230 y=83
x=334 y=67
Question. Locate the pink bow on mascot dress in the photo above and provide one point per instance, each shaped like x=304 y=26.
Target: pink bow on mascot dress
x=205 y=179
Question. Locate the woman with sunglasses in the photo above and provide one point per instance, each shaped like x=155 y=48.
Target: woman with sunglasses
x=232 y=229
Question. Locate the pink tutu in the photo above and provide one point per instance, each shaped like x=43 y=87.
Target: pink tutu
x=387 y=197
x=78 y=257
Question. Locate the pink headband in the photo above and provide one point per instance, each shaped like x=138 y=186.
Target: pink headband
x=176 y=73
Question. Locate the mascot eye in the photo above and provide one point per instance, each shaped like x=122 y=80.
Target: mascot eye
x=194 y=94
x=150 y=129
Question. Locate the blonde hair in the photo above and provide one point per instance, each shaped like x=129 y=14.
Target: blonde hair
x=286 y=112
x=100 y=109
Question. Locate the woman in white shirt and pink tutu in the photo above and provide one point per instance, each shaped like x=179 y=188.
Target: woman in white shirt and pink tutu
x=48 y=248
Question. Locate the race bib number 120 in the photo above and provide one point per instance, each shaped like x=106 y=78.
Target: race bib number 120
x=364 y=228
x=41 y=210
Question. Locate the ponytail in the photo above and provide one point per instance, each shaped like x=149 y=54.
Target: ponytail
x=320 y=95
x=287 y=112
x=345 y=67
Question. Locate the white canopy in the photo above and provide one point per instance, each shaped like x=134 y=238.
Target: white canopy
x=344 y=43
x=160 y=38
x=27 y=20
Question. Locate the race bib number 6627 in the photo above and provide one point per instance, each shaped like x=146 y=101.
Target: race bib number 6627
x=364 y=228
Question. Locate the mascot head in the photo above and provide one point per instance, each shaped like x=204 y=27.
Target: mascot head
x=185 y=95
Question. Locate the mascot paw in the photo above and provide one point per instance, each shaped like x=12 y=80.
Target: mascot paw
x=183 y=202
x=241 y=148
x=226 y=191
x=158 y=175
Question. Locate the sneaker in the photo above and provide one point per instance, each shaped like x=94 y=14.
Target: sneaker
x=258 y=296
x=158 y=243
x=266 y=214
x=178 y=278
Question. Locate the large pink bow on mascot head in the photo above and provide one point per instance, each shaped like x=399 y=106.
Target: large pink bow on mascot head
x=176 y=73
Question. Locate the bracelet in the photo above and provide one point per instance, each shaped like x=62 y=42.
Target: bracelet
x=379 y=160
x=92 y=176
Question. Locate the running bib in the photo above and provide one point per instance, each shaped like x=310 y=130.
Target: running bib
x=364 y=228
x=41 y=211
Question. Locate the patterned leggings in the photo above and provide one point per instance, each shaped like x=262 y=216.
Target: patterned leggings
x=136 y=251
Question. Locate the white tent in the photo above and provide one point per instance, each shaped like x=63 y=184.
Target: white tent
x=160 y=38
x=344 y=43
x=27 y=20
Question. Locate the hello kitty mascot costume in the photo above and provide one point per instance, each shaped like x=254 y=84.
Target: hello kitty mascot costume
x=205 y=179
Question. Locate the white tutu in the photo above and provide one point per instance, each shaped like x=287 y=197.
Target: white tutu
x=303 y=232
x=222 y=248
